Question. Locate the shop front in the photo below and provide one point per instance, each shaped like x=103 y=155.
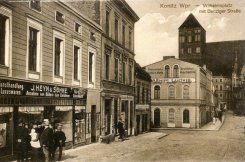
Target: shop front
x=32 y=103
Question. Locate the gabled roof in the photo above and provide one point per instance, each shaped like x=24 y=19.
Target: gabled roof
x=190 y=21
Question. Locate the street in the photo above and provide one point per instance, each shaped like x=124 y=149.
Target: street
x=227 y=144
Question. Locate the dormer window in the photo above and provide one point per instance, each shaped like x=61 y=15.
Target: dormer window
x=35 y=4
x=60 y=17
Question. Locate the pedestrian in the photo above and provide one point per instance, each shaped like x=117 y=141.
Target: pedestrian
x=46 y=141
x=20 y=133
x=121 y=130
x=214 y=120
x=59 y=139
x=35 y=145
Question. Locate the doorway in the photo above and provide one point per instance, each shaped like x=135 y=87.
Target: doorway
x=93 y=123
x=157 y=117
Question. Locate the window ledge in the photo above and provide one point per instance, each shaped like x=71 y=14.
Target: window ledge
x=58 y=79
x=4 y=70
x=34 y=75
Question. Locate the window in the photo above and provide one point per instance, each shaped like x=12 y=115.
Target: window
x=57 y=57
x=189 y=51
x=176 y=71
x=35 y=4
x=76 y=63
x=198 y=50
x=189 y=38
x=182 y=51
x=4 y=39
x=186 y=92
x=60 y=17
x=171 y=116
x=91 y=55
x=186 y=118
x=116 y=30
x=130 y=40
x=130 y=74
x=157 y=92
x=221 y=87
x=124 y=71
x=123 y=35
x=32 y=49
x=138 y=92
x=220 y=80
x=171 y=92
x=107 y=22
x=77 y=27
x=107 y=66
x=116 y=69
x=167 y=71
x=147 y=95
x=197 y=38
x=182 y=39
x=143 y=94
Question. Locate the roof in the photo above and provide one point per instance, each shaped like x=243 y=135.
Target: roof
x=140 y=73
x=190 y=21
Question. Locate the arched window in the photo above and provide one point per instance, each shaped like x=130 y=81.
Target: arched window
x=171 y=92
x=186 y=92
x=157 y=117
x=171 y=116
x=186 y=116
x=167 y=71
x=176 y=71
x=157 y=92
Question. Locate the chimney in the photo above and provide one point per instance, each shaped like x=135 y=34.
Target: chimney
x=168 y=57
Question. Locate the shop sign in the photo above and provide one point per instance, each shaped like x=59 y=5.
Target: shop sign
x=187 y=70
x=174 y=80
x=18 y=88
x=155 y=70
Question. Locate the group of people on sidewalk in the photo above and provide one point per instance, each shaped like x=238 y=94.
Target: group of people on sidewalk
x=41 y=141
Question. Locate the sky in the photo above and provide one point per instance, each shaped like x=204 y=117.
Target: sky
x=156 y=33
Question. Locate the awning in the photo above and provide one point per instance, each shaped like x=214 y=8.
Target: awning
x=31 y=109
x=4 y=110
x=63 y=108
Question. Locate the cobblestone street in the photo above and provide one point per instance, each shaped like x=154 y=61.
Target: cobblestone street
x=227 y=144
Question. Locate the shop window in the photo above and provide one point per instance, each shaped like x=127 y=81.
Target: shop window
x=186 y=118
x=116 y=69
x=88 y=123
x=171 y=92
x=60 y=17
x=167 y=71
x=176 y=71
x=186 y=92
x=79 y=130
x=77 y=27
x=171 y=116
x=35 y=4
x=116 y=30
x=107 y=22
x=157 y=92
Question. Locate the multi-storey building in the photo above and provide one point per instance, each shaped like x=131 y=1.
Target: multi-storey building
x=222 y=86
x=117 y=98
x=50 y=56
x=142 y=99
x=181 y=94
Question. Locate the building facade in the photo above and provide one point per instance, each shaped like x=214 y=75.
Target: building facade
x=117 y=72
x=222 y=86
x=50 y=69
x=181 y=94
x=142 y=100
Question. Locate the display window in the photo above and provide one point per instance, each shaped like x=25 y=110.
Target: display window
x=6 y=131
x=79 y=124
x=63 y=115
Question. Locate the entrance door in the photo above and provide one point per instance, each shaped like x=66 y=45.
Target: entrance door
x=93 y=123
x=157 y=117
x=115 y=115
x=107 y=116
x=138 y=124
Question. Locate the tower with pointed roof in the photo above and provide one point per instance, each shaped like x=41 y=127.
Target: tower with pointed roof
x=192 y=40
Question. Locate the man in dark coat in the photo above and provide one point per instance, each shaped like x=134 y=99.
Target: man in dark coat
x=59 y=140
x=22 y=142
x=121 y=130
x=47 y=141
